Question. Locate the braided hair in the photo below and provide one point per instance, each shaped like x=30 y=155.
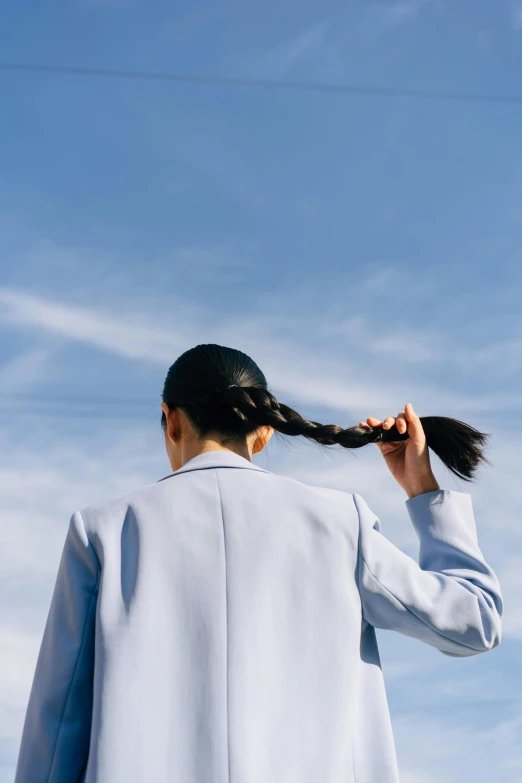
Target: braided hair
x=222 y=390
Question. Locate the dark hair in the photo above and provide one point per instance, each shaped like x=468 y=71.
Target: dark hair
x=222 y=390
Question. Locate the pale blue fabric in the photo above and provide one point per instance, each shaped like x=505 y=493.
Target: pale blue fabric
x=218 y=626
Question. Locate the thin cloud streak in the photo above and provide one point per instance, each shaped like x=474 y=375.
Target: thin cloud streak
x=22 y=370
x=382 y=18
x=286 y=363
x=516 y=14
x=281 y=60
x=124 y=337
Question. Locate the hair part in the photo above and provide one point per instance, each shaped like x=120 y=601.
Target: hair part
x=222 y=390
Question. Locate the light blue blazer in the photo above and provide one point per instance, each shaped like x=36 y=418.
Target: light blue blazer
x=218 y=626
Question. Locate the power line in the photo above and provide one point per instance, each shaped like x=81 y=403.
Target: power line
x=483 y=34
x=224 y=81
x=77 y=398
x=68 y=414
x=77 y=406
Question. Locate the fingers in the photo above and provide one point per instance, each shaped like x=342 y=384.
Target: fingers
x=401 y=423
x=415 y=425
x=408 y=410
x=386 y=424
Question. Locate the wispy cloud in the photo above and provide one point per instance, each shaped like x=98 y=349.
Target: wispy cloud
x=143 y=336
x=453 y=747
x=19 y=651
x=401 y=341
x=510 y=577
x=118 y=335
x=414 y=343
x=282 y=59
x=324 y=50
x=132 y=337
x=23 y=369
x=516 y=14
x=505 y=354
x=381 y=18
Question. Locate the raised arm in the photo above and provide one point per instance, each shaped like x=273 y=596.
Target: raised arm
x=451 y=599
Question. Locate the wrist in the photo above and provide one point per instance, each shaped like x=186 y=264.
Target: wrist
x=421 y=489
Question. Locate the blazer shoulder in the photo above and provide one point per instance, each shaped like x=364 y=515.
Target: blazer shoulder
x=339 y=495
x=114 y=507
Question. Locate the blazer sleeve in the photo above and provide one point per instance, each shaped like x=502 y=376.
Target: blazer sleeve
x=451 y=599
x=56 y=733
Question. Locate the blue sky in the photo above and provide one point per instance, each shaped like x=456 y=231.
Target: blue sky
x=365 y=251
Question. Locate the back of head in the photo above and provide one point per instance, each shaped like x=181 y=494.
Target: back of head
x=218 y=388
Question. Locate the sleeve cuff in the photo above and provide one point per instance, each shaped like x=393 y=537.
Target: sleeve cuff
x=444 y=514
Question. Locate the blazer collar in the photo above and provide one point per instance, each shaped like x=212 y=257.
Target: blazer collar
x=216 y=459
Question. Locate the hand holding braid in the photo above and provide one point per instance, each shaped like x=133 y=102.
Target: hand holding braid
x=456 y=444
x=408 y=459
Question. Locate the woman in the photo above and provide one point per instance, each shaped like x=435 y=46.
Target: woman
x=218 y=625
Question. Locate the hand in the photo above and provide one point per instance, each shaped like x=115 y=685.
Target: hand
x=408 y=460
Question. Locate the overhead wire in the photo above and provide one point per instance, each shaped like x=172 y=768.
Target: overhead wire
x=225 y=81
x=79 y=406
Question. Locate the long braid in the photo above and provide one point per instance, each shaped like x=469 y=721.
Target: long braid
x=266 y=410
x=458 y=445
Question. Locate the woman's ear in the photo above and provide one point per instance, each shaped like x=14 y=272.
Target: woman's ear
x=263 y=435
x=173 y=423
